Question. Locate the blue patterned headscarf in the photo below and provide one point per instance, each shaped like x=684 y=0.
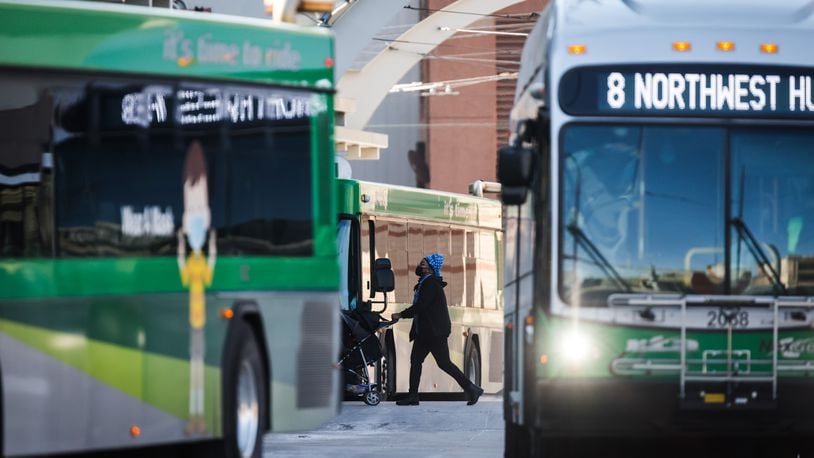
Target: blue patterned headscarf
x=435 y=260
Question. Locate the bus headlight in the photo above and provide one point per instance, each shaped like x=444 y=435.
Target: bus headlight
x=576 y=347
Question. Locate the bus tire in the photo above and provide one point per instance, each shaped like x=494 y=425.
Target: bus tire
x=245 y=408
x=472 y=362
x=387 y=375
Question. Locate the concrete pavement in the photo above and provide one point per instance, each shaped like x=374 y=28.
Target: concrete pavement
x=431 y=429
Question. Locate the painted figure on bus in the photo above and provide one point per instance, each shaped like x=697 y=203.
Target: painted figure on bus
x=196 y=274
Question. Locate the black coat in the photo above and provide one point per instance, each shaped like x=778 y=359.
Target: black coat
x=429 y=310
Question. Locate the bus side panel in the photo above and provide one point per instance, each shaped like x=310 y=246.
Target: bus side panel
x=38 y=418
x=302 y=333
x=519 y=298
x=473 y=296
x=79 y=373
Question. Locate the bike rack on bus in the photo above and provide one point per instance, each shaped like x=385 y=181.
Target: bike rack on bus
x=734 y=372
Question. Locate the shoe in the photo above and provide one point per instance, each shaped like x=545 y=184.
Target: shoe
x=410 y=400
x=473 y=393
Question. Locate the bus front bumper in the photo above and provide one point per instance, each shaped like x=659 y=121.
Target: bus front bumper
x=641 y=408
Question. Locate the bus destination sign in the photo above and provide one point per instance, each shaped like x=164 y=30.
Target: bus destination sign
x=700 y=91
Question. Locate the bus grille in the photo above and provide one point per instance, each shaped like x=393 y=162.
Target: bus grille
x=314 y=360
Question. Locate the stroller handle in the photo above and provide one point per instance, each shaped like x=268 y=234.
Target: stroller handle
x=387 y=324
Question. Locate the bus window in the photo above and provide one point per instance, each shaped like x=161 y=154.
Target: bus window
x=397 y=252
x=627 y=191
x=471 y=244
x=381 y=238
x=415 y=239
x=119 y=186
x=773 y=194
x=443 y=241
x=471 y=282
x=262 y=166
x=488 y=270
x=99 y=216
x=455 y=269
x=366 y=250
x=26 y=182
x=347 y=247
x=430 y=239
x=487 y=246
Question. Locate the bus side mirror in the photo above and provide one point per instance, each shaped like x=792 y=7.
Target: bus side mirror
x=383 y=279
x=514 y=195
x=514 y=171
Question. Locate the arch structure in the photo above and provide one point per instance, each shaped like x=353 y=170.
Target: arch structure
x=369 y=85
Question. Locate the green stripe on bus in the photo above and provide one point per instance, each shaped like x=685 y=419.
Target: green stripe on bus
x=126 y=369
x=355 y=197
x=156 y=324
x=94 y=277
x=162 y=42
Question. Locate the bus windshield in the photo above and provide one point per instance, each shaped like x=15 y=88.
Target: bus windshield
x=644 y=210
x=96 y=166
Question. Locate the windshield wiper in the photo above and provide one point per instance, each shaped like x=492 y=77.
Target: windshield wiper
x=600 y=260
x=762 y=258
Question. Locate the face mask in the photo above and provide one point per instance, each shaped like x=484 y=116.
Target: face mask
x=419 y=271
x=196 y=232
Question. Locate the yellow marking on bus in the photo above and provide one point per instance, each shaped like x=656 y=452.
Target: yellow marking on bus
x=714 y=398
x=577 y=49
x=184 y=61
x=769 y=48
x=682 y=46
x=725 y=46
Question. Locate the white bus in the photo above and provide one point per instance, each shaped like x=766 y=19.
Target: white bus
x=405 y=224
x=660 y=233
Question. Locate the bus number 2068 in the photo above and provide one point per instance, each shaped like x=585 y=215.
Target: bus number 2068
x=722 y=318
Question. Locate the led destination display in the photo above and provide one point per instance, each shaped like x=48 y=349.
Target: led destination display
x=689 y=91
x=160 y=106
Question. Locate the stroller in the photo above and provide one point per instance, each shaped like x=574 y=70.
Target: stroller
x=362 y=349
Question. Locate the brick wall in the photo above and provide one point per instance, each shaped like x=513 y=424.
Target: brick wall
x=464 y=131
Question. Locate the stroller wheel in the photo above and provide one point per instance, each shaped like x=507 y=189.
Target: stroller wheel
x=372 y=398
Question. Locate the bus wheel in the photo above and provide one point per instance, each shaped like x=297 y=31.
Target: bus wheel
x=387 y=374
x=472 y=364
x=244 y=404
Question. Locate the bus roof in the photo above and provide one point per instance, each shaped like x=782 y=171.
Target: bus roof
x=85 y=36
x=419 y=204
x=643 y=31
x=683 y=14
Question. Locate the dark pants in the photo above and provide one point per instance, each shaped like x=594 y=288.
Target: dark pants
x=422 y=346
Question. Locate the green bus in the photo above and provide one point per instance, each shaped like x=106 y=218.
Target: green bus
x=168 y=266
x=405 y=224
x=659 y=246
